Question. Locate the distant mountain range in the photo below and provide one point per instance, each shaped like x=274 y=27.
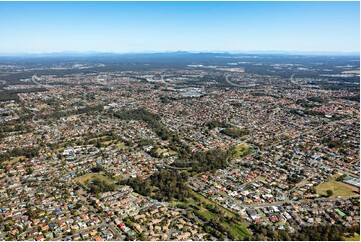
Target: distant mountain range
x=177 y=53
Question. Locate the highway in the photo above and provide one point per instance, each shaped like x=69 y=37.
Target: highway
x=231 y=83
x=293 y=81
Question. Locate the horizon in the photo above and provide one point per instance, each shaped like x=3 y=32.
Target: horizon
x=230 y=52
x=138 y=27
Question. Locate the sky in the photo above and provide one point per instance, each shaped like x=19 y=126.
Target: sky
x=38 y=27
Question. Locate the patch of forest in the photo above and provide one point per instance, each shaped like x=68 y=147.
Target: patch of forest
x=330 y=232
x=154 y=122
x=168 y=185
x=235 y=132
x=28 y=152
x=352 y=98
x=8 y=95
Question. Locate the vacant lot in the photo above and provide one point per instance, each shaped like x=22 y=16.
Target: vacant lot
x=121 y=145
x=236 y=229
x=356 y=237
x=13 y=160
x=207 y=201
x=241 y=150
x=338 y=189
x=172 y=152
x=92 y=176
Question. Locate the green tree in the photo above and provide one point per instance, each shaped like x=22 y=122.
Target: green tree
x=329 y=193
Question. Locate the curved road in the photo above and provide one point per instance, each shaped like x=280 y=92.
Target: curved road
x=294 y=82
x=231 y=83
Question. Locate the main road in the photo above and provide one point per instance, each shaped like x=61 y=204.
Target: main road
x=331 y=199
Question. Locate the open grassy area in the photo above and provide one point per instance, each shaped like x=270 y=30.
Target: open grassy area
x=180 y=204
x=235 y=132
x=13 y=160
x=92 y=176
x=236 y=229
x=207 y=201
x=107 y=142
x=172 y=152
x=356 y=237
x=204 y=213
x=338 y=189
x=118 y=178
x=121 y=145
x=97 y=138
x=241 y=150
x=160 y=151
x=335 y=176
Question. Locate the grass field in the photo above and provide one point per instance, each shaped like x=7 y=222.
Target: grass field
x=121 y=146
x=118 y=178
x=236 y=229
x=241 y=150
x=335 y=176
x=203 y=212
x=356 y=237
x=92 y=176
x=172 y=152
x=338 y=189
x=13 y=160
x=160 y=151
x=59 y=149
x=97 y=138
x=107 y=142
x=207 y=201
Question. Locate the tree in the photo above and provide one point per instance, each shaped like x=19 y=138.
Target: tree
x=341 y=178
x=235 y=132
x=329 y=193
x=221 y=218
x=170 y=184
x=7 y=227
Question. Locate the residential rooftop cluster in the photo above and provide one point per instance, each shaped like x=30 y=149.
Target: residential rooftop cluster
x=72 y=145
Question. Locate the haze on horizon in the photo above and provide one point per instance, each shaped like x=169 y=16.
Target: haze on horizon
x=38 y=27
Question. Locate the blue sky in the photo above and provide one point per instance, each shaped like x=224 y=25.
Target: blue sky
x=35 y=27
